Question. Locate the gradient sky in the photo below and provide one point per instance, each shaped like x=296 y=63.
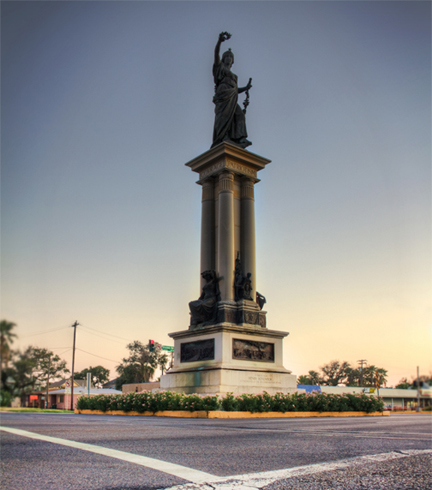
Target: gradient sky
x=104 y=102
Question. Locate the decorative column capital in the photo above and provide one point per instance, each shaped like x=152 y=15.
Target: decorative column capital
x=226 y=181
x=247 y=188
x=208 y=190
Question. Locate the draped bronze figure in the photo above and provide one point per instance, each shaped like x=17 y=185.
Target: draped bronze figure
x=230 y=121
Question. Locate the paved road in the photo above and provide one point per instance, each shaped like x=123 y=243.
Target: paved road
x=62 y=451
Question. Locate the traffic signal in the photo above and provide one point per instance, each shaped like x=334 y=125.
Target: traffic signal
x=151 y=345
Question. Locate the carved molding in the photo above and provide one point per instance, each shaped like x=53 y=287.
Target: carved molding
x=226 y=163
x=243 y=169
x=242 y=316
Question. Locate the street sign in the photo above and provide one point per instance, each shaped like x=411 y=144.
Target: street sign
x=369 y=390
x=168 y=348
x=68 y=387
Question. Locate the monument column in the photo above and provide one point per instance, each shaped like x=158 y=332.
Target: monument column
x=225 y=256
x=228 y=347
x=207 y=227
x=247 y=244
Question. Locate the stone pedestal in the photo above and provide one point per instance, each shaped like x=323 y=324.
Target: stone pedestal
x=234 y=351
x=228 y=358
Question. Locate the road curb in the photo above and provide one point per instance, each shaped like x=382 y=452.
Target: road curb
x=219 y=414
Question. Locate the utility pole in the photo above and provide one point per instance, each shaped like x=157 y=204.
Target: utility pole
x=49 y=368
x=73 y=361
x=361 y=361
x=418 y=390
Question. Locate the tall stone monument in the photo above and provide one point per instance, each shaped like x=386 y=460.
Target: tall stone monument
x=228 y=347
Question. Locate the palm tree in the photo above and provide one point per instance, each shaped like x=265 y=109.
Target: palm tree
x=162 y=361
x=6 y=338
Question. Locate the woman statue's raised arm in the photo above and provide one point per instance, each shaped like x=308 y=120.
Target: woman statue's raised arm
x=223 y=36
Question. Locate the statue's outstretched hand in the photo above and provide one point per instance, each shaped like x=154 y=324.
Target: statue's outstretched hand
x=249 y=85
x=223 y=36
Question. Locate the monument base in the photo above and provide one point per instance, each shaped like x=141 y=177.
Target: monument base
x=227 y=358
x=223 y=380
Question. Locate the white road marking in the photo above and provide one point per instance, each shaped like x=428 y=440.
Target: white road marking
x=183 y=472
x=254 y=481
x=335 y=433
x=205 y=481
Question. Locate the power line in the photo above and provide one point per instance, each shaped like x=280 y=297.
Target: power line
x=45 y=331
x=64 y=352
x=106 y=333
x=103 y=337
x=106 y=359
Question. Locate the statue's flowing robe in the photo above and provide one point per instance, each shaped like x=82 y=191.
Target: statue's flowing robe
x=230 y=122
x=205 y=307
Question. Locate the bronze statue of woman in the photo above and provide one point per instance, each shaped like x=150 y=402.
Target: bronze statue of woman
x=204 y=309
x=230 y=121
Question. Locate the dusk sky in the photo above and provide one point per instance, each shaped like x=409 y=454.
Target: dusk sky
x=104 y=102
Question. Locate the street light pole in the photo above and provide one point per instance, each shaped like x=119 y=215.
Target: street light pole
x=418 y=389
x=73 y=362
x=361 y=361
x=49 y=368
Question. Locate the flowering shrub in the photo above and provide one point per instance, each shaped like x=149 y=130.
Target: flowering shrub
x=263 y=402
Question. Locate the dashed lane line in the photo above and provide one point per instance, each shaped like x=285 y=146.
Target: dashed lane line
x=177 y=470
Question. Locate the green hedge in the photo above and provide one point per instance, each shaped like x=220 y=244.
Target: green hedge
x=280 y=402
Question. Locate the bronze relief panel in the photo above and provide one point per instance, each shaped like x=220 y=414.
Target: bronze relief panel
x=251 y=350
x=201 y=350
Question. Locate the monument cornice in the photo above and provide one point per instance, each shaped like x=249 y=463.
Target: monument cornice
x=227 y=157
x=212 y=329
x=219 y=367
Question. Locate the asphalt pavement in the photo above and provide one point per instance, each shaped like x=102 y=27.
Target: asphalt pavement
x=62 y=451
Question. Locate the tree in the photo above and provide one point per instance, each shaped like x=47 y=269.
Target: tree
x=6 y=339
x=425 y=378
x=141 y=364
x=141 y=361
x=29 y=369
x=127 y=375
x=100 y=375
x=18 y=377
x=353 y=377
x=162 y=361
x=335 y=373
x=48 y=363
x=403 y=384
x=312 y=378
x=372 y=374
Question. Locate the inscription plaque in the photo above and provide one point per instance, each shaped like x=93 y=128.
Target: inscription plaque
x=202 y=350
x=261 y=379
x=251 y=350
